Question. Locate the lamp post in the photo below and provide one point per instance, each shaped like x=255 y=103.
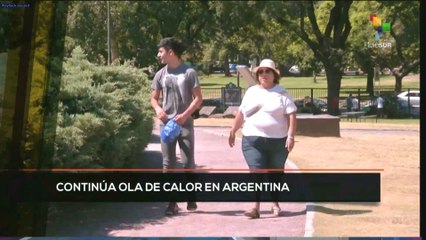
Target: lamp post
x=238 y=72
x=377 y=75
x=108 y=34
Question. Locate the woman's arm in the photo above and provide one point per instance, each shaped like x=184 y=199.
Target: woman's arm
x=291 y=131
x=238 y=122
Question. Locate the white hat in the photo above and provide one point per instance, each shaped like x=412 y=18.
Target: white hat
x=267 y=63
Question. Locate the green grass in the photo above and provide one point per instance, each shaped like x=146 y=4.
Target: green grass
x=219 y=80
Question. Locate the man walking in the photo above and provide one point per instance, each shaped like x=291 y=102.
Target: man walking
x=349 y=103
x=180 y=88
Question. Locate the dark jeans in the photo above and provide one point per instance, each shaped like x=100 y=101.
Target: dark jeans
x=265 y=153
x=186 y=144
x=380 y=112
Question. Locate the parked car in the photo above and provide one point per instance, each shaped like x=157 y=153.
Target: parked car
x=386 y=71
x=396 y=105
x=216 y=69
x=353 y=71
x=306 y=103
x=233 y=67
x=294 y=70
x=412 y=96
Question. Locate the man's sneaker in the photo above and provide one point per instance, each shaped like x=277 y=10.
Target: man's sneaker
x=192 y=206
x=172 y=209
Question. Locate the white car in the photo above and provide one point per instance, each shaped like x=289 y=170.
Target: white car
x=294 y=69
x=412 y=96
x=353 y=71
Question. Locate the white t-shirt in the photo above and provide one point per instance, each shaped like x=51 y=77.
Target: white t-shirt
x=265 y=112
x=176 y=86
x=380 y=102
x=354 y=103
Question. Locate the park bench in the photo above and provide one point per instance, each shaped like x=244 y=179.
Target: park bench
x=364 y=118
x=354 y=115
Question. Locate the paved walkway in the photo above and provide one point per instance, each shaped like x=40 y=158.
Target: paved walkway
x=223 y=219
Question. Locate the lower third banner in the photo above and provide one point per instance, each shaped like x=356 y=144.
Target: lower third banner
x=207 y=187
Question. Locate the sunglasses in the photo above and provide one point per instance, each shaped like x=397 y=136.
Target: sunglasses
x=267 y=71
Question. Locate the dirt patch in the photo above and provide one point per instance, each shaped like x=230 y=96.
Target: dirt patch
x=394 y=148
x=398 y=155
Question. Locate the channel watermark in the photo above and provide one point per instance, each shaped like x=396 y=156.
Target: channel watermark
x=15 y=5
x=380 y=27
x=379 y=44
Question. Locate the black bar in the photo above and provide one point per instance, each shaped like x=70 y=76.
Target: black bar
x=22 y=88
x=240 y=187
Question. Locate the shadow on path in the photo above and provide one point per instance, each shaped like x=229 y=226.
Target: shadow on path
x=138 y=219
x=98 y=219
x=149 y=160
x=318 y=208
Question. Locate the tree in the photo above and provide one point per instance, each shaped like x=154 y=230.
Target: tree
x=328 y=44
x=4 y=28
x=239 y=31
x=86 y=27
x=405 y=30
x=361 y=35
x=136 y=27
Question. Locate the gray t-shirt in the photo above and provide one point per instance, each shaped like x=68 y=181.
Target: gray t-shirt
x=176 y=86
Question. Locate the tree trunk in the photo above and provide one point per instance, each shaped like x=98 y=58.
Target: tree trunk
x=370 y=81
x=334 y=78
x=398 y=83
x=115 y=53
x=226 y=67
x=315 y=76
x=399 y=74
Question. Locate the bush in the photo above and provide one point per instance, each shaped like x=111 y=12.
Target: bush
x=370 y=110
x=104 y=115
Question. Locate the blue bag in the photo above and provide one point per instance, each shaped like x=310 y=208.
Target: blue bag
x=170 y=131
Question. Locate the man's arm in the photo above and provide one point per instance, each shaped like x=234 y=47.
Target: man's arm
x=155 y=95
x=195 y=104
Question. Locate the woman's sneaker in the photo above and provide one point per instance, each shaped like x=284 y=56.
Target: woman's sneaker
x=252 y=213
x=276 y=211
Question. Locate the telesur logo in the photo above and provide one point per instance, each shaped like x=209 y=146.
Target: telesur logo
x=381 y=27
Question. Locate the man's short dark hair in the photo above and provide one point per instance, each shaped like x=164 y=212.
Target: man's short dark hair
x=173 y=44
